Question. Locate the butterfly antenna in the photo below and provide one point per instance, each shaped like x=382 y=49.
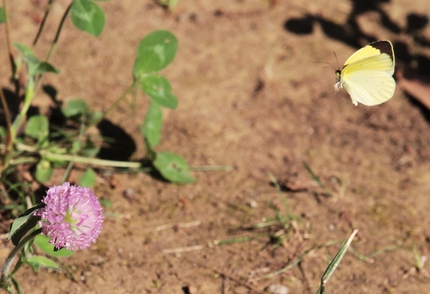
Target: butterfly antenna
x=337 y=61
x=328 y=64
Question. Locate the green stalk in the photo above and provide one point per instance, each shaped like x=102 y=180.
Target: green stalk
x=4 y=281
x=75 y=151
x=113 y=106
x=56 y=38
x=9 y=47
x=29 y=95
x=57 y=34
x=7 y=118
x=42 y=24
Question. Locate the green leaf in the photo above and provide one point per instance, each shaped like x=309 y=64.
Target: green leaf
x=106 y=203
x=76 y=146
x=2 y=16
x=87 y=16
x=335 y=262
x=90 y=149
x=75 y=108
x=43 y=67
x=43 y=171
x=169 y=3
x=3 y=134
x=37 y=128
x=95 y=116
x=151 y=127
x=34 y=65
x=25 y=51
x=37 y=261
x=88 y=178
x=173 y=168
x=42 y=242
x=158 y=88
x=23 y=223
x=155 y=52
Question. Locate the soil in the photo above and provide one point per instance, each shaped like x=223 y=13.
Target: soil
x=255 y=100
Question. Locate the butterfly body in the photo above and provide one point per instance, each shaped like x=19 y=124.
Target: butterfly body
x=368 y=74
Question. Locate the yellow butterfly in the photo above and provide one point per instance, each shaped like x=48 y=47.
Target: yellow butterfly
x=368 y=74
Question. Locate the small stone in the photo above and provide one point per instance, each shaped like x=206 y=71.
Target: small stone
x=277 y=289
x=252 y=203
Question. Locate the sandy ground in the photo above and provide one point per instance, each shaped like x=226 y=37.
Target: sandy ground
x=253 y=96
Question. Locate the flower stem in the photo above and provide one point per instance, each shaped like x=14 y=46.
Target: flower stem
x=75 y=151
x=4 y=281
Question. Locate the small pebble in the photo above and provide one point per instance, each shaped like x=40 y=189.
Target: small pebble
x=277 y=289
x=252 y=203
x=128 y=194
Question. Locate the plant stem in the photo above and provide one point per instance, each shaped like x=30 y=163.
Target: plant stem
x=113 y=106
x=42 y=24
x=14 y=75
x=56 y=38
x=10 y=48
x=75 y=158
x=29 y=95
x=91 y=161
x=57 y=35
x=8 y=120
x=8 y=262
x=212 y=168
x=75 y=150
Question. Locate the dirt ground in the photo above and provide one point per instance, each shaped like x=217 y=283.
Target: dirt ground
x=253 y=96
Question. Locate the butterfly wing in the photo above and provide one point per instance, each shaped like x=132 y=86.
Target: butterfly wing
x=378 y=87
x=367 y=74
x=372 y=49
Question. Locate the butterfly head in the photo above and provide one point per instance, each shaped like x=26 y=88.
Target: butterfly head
x=338 y=84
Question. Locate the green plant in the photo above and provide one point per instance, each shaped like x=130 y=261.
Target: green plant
x=331 y=268
x=70 y=218
x=46 y=144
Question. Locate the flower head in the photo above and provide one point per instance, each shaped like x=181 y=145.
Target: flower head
x=72 y=216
